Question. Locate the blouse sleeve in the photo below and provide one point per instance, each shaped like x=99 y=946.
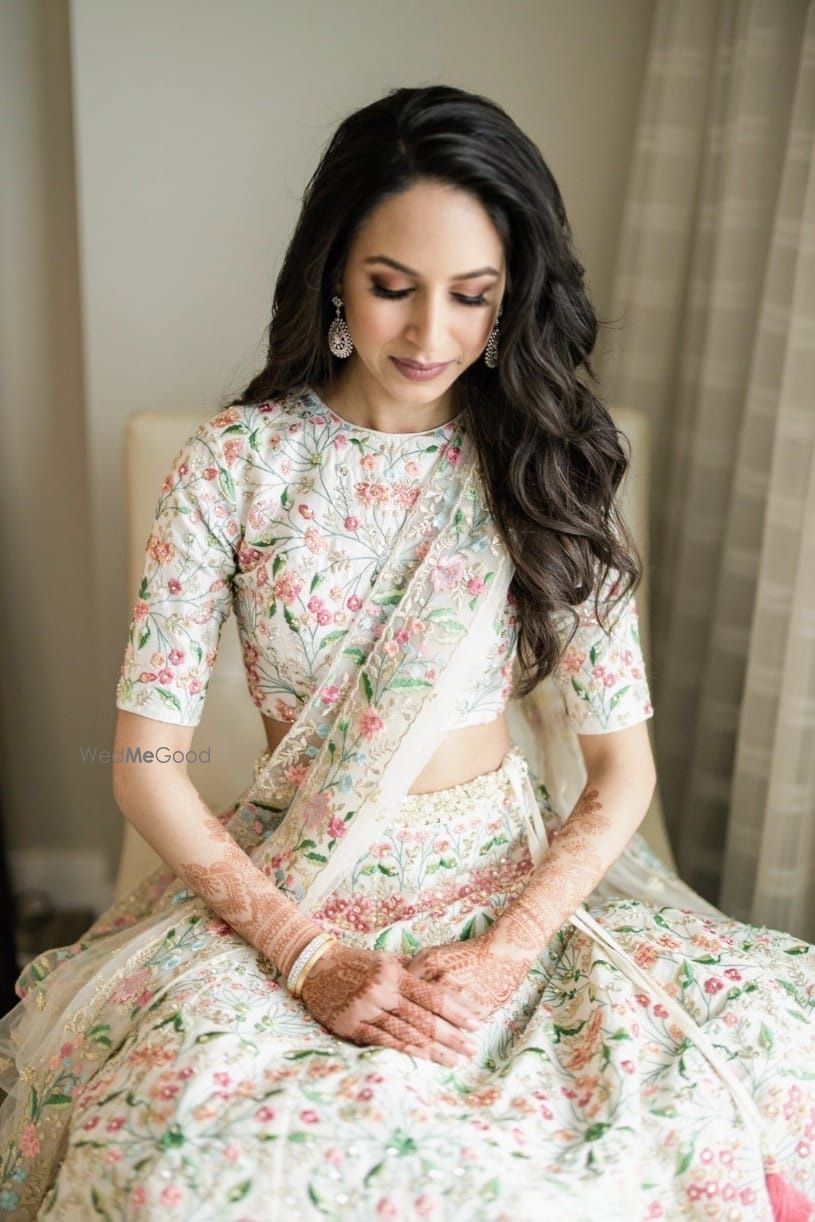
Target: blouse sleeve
x=603 y=678
x=185 y=594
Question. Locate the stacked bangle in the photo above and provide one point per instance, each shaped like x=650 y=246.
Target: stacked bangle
x=305 y=962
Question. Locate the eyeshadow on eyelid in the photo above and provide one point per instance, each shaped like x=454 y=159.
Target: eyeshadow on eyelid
x=404 y=288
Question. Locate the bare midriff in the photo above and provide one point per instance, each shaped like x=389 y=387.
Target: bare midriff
x=461 y=756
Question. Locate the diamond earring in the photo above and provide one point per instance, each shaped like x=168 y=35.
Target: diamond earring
x=339 y=337
x=491 y=350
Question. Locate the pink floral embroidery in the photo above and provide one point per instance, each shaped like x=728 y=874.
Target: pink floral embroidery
x=371 y=724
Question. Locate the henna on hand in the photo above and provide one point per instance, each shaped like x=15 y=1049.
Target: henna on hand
x=368 y=997
x=483 y=974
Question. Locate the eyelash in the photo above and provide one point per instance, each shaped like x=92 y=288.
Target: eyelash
x=398 y=294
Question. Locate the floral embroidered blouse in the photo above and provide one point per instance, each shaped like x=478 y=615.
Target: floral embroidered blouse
x=283 y=512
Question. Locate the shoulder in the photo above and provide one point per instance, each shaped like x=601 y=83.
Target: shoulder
x=243 y=428
x=246 y=447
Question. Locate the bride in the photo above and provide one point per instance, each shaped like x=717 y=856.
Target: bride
x=411 y=971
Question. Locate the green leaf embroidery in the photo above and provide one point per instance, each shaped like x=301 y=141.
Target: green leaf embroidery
x=410 y=944
x=169 y=698
x=617 y=697
x=336 y=635
x=173 y=1137
x=567 y=1031
x=491 y=1189
x=684 y=1162
x=581 y=691
x=225 y=480
x=765 y=1038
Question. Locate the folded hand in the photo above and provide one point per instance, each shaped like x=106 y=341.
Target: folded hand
x=369 y=997
x=484 y=972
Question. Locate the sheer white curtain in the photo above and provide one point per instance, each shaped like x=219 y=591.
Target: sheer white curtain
x=714 y=303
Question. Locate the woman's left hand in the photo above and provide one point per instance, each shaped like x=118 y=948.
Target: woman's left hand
x=484 y=971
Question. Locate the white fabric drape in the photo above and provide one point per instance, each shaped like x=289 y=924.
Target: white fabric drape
x=714 y=298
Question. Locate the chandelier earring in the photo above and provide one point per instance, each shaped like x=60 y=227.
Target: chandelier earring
x=491 y=350
x=339 y=337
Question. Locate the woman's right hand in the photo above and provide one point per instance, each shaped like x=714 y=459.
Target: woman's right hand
x=369 y=997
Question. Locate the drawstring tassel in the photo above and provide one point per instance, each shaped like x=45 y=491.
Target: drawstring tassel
x=788 y=1202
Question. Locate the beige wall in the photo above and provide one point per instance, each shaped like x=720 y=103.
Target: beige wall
x=168 y=144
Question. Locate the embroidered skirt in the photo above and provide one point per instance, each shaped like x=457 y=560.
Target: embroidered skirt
x=168 y=1073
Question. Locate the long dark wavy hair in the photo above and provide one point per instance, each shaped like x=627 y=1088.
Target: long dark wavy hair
x=550 y=455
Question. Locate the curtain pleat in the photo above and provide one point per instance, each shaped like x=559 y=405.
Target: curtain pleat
x=713 y=294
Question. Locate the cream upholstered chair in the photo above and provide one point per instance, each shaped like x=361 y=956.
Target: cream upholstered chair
x=231 y=726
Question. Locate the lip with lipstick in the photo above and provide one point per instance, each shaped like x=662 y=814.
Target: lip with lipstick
x=418 y=372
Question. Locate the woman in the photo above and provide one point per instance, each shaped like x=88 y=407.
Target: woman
x=372 y=987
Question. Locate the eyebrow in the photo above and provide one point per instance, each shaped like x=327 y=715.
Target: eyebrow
x=400 y=267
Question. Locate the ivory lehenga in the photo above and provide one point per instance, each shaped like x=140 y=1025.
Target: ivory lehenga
x=658 y=1059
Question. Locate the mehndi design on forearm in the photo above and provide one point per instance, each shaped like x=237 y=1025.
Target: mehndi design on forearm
x=248 y=900
x=569 y=871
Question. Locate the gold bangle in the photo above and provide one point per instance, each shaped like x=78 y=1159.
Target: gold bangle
x=301 y=977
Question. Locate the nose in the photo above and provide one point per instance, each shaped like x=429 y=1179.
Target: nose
x=426 y=328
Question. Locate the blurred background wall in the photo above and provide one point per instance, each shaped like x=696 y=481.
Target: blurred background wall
x=154 y=156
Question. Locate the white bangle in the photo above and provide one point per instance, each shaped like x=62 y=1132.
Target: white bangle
x=307 y=954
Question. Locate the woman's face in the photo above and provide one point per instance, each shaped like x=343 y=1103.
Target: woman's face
x=422 y=284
